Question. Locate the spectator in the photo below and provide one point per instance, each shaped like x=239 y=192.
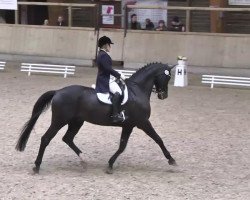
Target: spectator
x=161 y=26
x=149 y=25
x=60 y=21
x=2 y=21
x=134 y=23
x=46 y=22
x=2 y=16
x=176 y=25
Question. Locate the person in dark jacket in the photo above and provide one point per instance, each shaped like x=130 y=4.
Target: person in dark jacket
x=176 y=25
x=134 y=24
x=103 y=82
x=161 y=26
x=149 y=25
x=60 y=21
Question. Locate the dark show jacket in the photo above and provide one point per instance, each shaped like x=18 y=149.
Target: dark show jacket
x=61 y=24
x=104 y=63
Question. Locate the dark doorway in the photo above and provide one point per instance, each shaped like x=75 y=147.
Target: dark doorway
x=9 y=16
x=37 y=14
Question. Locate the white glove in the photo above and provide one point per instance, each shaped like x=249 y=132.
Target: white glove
x=122 y=76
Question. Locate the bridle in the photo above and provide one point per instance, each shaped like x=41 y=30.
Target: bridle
x=160 y=92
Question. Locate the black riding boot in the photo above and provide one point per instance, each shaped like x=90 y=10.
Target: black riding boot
x=116 y=116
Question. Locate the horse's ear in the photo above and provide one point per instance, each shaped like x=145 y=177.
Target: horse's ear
x=171 y=66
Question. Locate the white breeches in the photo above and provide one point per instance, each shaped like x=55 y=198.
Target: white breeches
x=114 y=87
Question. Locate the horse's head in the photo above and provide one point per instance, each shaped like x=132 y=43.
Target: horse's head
x=161 y=81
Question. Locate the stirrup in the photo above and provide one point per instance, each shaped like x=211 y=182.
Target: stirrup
x=119 y=117
x=123 y=115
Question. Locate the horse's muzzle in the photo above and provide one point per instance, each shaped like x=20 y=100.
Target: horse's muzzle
x=162 y=95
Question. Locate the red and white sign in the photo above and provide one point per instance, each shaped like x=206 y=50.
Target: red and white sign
x=108 y=10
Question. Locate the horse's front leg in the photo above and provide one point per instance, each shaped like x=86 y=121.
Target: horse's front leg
x=149 y=130
x=126 y=132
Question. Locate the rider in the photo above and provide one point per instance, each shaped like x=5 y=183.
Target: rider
x=103 y=82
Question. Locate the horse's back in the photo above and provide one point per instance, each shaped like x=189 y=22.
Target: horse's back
x=74 y=90
x=71 y=94
x=77 y=102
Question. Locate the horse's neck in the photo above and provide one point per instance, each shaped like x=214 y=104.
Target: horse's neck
x=145 y=80
x=147 y=86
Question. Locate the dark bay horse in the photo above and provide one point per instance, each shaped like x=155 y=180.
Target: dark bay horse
x=75 y=104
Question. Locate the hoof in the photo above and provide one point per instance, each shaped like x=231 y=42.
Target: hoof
x=172 y=162
x=109 y=170
x=35 y=170
x=84 y=164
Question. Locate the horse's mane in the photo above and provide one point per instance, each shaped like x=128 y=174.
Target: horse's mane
x=145 y=68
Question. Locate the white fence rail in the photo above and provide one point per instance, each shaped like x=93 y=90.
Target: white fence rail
x=46 y=68
x=2 y=65
x=126 y=73
x=225 y=80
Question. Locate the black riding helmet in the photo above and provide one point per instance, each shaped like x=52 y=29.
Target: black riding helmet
x=104 y=40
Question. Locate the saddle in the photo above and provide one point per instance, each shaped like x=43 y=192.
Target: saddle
x=107 y=97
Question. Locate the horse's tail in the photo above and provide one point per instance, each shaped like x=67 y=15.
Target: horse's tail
x=40 y=106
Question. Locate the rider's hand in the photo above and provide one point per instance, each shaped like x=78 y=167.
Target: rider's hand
x=123 y=77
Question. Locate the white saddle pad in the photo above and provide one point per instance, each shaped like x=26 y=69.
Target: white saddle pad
x=105 y=97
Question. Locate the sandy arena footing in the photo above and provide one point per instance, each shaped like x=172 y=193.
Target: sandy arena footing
x=206 y=130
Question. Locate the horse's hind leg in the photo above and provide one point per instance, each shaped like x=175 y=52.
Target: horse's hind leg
x=68 y=138
x=45 y=140
x=126 y=132
x=149 y=130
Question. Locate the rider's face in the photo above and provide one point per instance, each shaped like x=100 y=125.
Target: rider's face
x=108 y=47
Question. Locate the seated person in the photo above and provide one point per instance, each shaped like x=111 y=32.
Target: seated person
x=60 y=21
x=149 y=25
x=161 y=26
x=46 y=22
x=134 y=24
x=2 y=20
x=176 y=25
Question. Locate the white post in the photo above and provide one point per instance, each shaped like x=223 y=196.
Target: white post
x=181 y=72
x=65 y=73
x=212 y=83
x=29 y=70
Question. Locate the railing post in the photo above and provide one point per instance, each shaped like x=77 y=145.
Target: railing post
x=125 y=20
x=16 y=16
x=70 y=16
x=188 y=20
x=97 y=13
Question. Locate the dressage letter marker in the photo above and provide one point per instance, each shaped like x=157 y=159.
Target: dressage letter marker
x=181 y=72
